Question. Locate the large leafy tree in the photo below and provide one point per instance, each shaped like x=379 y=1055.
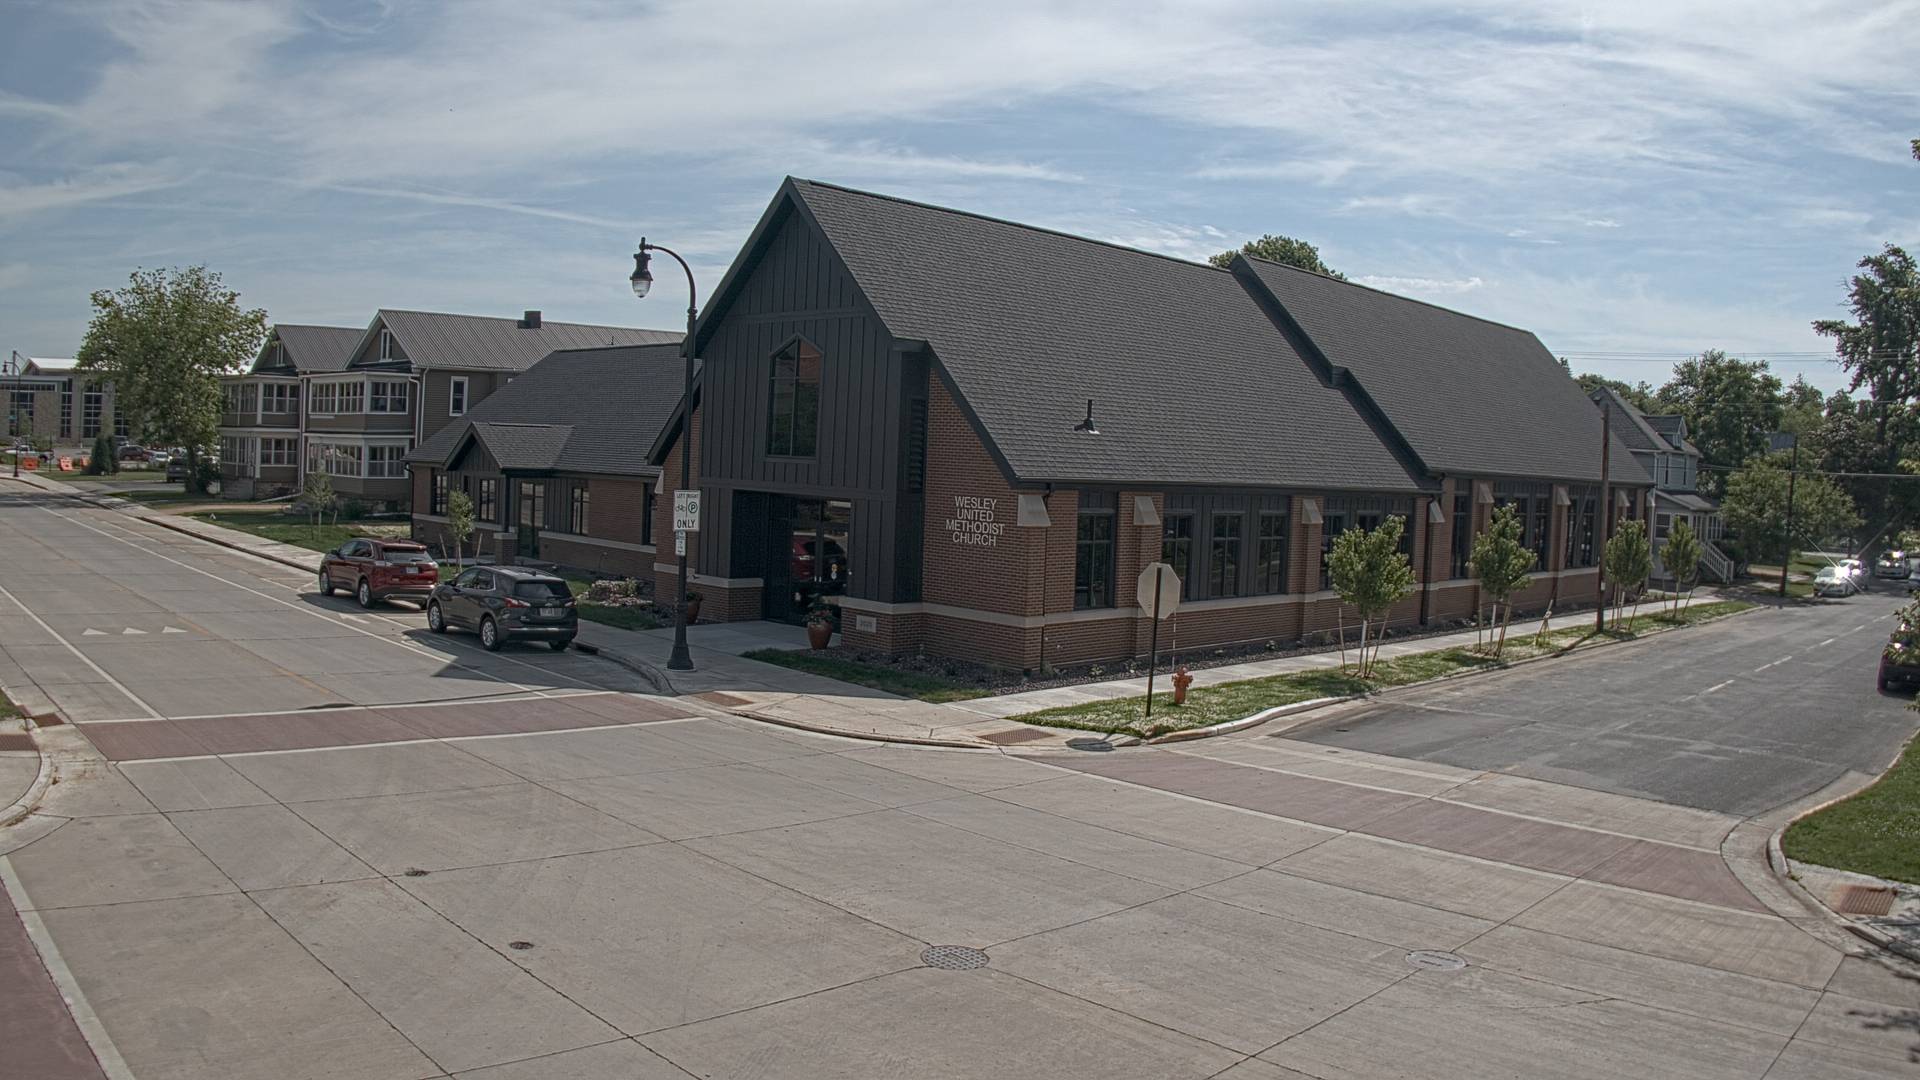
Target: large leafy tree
x=1880 y=350
x=1281 y=249
x=164 y=340
x=1370 y=572
x=1731 y=407
x=1756 y=508
x=1639 y=395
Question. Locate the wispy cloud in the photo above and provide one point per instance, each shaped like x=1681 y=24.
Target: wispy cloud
x=1421 y=286
x=448 y=198
x=19 y=198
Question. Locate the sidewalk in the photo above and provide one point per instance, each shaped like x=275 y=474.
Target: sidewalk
x=286 y=554
x=1006 y=705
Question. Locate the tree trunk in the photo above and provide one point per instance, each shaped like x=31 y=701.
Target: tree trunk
x=1506 y=618
x=196 y=485
x=1363 y=647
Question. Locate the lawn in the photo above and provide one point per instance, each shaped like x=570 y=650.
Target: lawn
x=286 y=529
x=1875 y=832
x=625 y=618
x=1211 y=705
x=904 y=683
x=8 y=710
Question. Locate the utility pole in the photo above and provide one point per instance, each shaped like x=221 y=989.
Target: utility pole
x=1606 y=514
x=1786 y=557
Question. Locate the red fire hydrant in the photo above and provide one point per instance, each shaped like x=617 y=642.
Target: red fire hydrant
x=1181 y=680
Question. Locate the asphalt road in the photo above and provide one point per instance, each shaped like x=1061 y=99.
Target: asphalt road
x=108 y=618
x=1765 y=709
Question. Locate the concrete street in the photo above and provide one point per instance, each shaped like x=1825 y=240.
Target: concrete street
x=311 y=842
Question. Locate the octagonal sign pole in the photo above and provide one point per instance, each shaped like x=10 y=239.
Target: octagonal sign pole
x=1157 y=580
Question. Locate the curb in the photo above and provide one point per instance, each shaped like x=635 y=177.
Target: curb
x=1229 y=727
x=20 y=808
x=876 y=737
x=134 y=510
x=655 y=677
x=1782 y=868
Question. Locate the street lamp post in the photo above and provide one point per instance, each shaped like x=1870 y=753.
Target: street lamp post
x=642 y=280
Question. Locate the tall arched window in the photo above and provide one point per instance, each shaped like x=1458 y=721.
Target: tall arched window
x=793 y=420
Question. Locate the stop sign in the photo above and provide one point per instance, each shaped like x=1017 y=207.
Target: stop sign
x=1158 y=582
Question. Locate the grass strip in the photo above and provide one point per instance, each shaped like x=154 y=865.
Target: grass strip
x=1874 y=832
x=1206 y=706
x=876 y=676
x=285 y=530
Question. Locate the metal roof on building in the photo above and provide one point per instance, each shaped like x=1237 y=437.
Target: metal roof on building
x=317 y=348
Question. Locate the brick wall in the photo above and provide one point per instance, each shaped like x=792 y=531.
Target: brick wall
x=998 y=571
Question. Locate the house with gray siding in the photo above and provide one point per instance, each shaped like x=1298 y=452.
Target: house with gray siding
x=261 y=422
x=412 y=373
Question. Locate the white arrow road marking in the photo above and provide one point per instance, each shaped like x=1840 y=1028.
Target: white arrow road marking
x=131 y=630
x=173 y=630
x=91 y=632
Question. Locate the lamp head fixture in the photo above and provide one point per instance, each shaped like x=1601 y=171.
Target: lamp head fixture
x=642 y=278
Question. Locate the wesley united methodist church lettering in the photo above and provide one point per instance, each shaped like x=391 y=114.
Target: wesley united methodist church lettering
x=973 y=524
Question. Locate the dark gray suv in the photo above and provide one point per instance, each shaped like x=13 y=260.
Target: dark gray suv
x=503 y=603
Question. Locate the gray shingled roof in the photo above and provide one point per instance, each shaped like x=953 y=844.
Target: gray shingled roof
x=524 y=446
x=1191 y=382
x=318 y=348
x=1629 y=424
x=479 y=342
x=1471 y=397
x=607 y=405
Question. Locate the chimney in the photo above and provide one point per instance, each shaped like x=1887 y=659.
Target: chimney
x=530 y=321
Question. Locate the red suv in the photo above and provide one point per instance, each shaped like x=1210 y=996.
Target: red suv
x=376 y=570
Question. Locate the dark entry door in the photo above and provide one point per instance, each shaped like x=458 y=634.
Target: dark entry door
x=533 y=514
x=808 y=556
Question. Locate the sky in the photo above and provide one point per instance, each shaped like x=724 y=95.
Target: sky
x=1633 y=182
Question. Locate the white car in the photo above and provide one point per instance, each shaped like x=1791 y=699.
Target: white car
x=1835 y=581
x=1854 y=569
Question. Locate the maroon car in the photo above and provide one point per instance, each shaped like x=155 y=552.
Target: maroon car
x=375 y=570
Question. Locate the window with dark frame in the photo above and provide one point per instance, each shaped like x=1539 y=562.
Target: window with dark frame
x=793 y=414
x=1176 y=548
x=1331 y=526
x=437 y=494
x=577 y=511
x=1093 y=556
x=1270 y=558
x=487 y=507
x=1462 y=561
x=457 y=396
x=646 y=515
x=533 y=504
x=1224 y=542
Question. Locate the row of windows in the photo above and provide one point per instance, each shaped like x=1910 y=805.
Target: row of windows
x=531 y=509
x=1226 y=574
x=377 y=462
x=376 y=395
x=269 y=398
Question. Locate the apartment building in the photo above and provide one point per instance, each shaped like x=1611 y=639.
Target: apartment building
x=47 y=398
x=261 y=420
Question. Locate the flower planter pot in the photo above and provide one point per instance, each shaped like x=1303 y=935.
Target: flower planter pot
x=819 y=633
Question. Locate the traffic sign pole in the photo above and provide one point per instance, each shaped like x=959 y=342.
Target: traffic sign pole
x=1153 y=646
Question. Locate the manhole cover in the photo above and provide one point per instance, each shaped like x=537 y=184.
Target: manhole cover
x=953 y=957
x=1435 y=960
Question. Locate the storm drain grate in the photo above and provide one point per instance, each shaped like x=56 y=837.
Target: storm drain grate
x=953 y=957
x=1861 y=899
x=16 y=742
x=1435 y=960
x=1015 y=735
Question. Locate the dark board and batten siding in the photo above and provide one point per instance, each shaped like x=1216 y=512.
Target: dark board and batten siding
x=798 y=288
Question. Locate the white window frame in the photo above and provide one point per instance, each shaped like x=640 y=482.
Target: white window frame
x=457 y=389
x=386 y=344
x=387 y=396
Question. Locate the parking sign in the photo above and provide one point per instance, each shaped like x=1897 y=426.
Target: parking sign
x=686 y=511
